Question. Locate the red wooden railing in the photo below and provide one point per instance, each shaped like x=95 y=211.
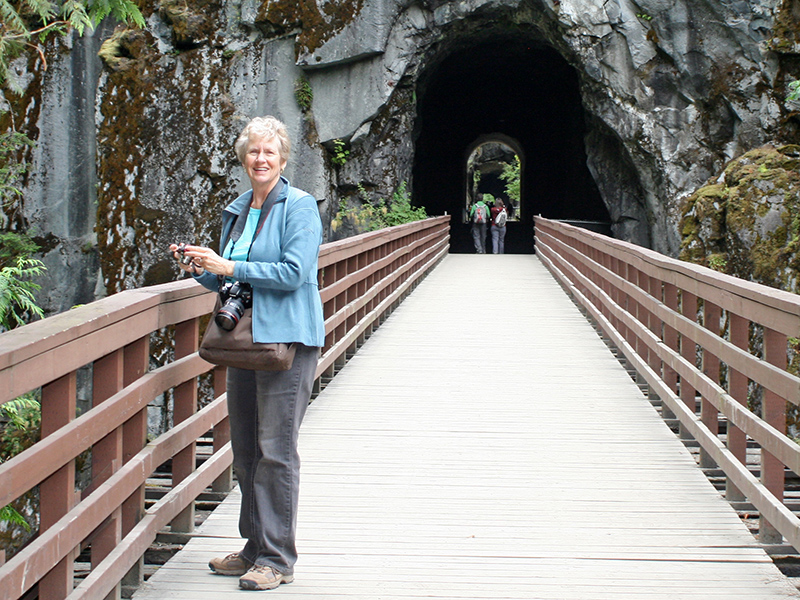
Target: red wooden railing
x=687 y=332
x=362 y=279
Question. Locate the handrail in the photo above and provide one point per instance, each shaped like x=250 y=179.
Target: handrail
x=686 y=330
x=362 y=279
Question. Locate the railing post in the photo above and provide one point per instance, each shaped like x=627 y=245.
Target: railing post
x=689 y=352
x=222 y=434
x=361 y=291
x=774 y=413
x=654 y=289
x=187 y=339
x=617 y=267
x=350 y=296
x=57 y=492
x=107 y=380
x=637 y=312
x=708 y=413
x=136 y=358
x=671 y=335
x=737 y=382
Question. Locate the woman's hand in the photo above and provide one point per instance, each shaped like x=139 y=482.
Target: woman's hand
x=205 y=259
x=190 y=266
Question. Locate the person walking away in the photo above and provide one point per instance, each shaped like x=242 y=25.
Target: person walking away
x=275 y=253
x=479 y=216
x=498 y=228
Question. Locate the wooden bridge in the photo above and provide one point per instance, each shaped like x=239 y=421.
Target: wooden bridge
x=483 y=442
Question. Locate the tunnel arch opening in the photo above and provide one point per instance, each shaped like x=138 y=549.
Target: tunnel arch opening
x=503 y=87
x=484 y=167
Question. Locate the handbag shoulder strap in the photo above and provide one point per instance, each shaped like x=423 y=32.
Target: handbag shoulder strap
x=241 y=221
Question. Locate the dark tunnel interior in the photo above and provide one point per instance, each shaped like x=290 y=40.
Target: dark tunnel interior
x=512 y=87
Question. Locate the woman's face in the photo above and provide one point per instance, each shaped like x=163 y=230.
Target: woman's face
x=263 y=162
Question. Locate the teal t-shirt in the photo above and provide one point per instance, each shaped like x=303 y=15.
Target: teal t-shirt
x=241 y=248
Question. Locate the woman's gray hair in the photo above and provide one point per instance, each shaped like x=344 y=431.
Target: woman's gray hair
x=263 y=128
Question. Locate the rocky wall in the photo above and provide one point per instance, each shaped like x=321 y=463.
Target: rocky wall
x=135 y=140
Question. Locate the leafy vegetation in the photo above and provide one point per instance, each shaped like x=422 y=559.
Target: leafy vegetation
x=17 y=268
x=17 y=302
x=794 y=94
x=303 y=94
x=339 y=153
x=23 y=418
x=13 y=166
x=372 y=215
x=511 y=175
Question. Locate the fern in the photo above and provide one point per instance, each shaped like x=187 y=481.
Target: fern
x=10 y=17
x=14 y=407
x=75 y=14
x=16 y=292
x=22 y=430
x=23 y=418
x=10 y=515
x=54 y=18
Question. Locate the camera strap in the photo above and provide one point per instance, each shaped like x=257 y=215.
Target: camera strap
x=241 y=220
x=266 y=208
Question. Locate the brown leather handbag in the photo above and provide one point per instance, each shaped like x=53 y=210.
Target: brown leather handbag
x=236 y=348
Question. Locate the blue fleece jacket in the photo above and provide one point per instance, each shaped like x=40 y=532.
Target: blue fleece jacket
x=282 y=269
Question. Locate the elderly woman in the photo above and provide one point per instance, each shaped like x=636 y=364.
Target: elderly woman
x=276 y=254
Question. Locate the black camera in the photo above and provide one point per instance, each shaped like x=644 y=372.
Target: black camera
x=186 y=260
x=235 y=298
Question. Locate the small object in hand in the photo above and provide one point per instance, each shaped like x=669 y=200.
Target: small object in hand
x=186 y=260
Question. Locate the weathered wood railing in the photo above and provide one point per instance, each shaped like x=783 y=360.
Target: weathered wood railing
x=687 y=332
x=361 y=280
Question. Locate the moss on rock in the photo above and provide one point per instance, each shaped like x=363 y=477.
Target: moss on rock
x=748 y=218
x=313 y=25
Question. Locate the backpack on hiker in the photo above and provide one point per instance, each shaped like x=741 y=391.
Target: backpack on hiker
x=479 y=213
x=501 y=218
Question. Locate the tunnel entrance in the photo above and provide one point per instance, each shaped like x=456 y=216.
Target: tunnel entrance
x=504 y=88
x=493 y=171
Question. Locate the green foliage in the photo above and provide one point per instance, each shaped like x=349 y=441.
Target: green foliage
x=644 y=17
x=372 y=215
x=794 y=94
x=512 y=176
x=23 y=418
x=27 y=24
x=400 y=210
x=303 y=94
x=718 y=262
x=10 y=515
x=13 y=245
x=12 y=165
x=17 y=268
x=339 y=154
x=17 y=303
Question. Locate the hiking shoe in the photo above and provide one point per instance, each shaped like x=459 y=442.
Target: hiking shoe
x=233 y=564
x=263 y=577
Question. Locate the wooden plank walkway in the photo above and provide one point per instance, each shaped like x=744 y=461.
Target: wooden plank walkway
x=484 y=443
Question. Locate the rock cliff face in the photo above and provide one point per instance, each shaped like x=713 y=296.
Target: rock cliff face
x=622 y=109
x=746 y=222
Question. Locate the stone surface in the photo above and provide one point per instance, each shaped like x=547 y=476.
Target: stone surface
x=745 y=221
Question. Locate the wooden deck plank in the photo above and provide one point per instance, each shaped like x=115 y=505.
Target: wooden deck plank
x=484 y=443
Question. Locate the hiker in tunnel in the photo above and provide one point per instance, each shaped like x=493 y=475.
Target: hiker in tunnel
x=479 y=216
